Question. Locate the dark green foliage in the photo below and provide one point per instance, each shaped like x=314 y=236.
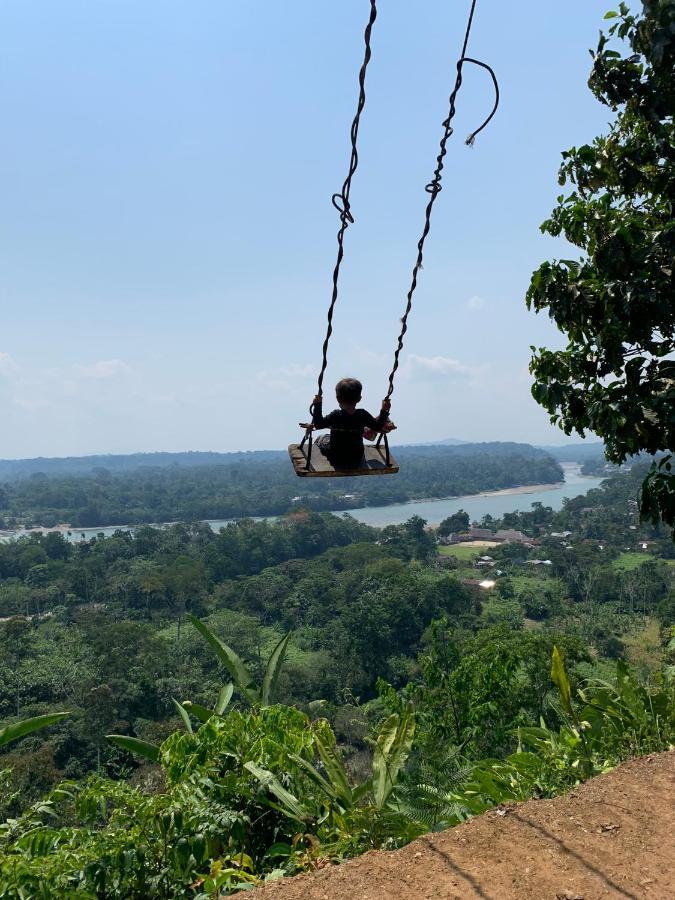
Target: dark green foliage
x=457 y=522
x=616 y=377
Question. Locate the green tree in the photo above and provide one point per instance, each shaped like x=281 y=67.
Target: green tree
x=616 y=376
x=458 y=521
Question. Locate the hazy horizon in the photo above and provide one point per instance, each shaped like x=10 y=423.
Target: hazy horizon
x=447 y=442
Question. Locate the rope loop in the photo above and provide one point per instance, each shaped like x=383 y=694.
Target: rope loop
x=476 y=62
x=341 y=203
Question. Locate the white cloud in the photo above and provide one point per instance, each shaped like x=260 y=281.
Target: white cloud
x=7 y=364
x=104 y=368
x=435 y=367
x=370 y=358
x=286 y=377
x=476 y=303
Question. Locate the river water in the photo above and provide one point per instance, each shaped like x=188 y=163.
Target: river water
x=479 y=505
x=434 y=511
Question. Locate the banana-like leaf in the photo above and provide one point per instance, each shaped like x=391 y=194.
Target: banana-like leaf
x=230 y=660
x=316 y=777
x=392 y=748
x=198 y=711
x=335 y=771
x=362 y=791
x=20 y=729
x=224 y=698
x=560 y=679
x=273 y=670
x=183 y=713
x=290 y=804
x=134 y=745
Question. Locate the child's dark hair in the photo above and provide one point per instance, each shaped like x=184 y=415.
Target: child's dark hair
x=348 y=390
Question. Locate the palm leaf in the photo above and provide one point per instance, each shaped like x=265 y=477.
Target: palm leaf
x=392 y=748
x=134 y=745
x=198 y=711
x=230 y=660
x=20 y=729
x=335 y=771
x=183 y=713
x=224 y=698
x=273 y=670
x=316 y=777
x=290 y=804
x=561 y=681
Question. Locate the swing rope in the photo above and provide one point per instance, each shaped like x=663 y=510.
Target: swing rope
x=340 y=200
x=434 y=186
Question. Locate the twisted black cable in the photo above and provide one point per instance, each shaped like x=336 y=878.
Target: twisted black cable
x=434 y=186
x=341 y=200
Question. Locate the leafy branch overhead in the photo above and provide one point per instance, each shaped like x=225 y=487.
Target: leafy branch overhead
x=616 y=377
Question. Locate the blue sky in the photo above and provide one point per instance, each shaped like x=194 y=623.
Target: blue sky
x=167 y=238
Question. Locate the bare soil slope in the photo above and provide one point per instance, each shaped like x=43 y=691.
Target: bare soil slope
x=611 y=837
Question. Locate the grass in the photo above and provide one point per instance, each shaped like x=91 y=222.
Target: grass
x=464 y=554
x=644 y=649
x=630 y=560
x=533 y=582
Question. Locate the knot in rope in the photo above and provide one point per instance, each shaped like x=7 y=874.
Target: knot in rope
x=341 y=203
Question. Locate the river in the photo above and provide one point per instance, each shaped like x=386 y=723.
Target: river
x=495 y=503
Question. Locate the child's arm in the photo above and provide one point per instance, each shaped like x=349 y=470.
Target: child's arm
x=370 y=434
x=318 y=418
x=381 y=421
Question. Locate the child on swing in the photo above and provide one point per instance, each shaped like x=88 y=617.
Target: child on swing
x=344 y=445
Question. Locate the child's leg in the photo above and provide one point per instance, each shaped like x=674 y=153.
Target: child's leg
x=323 y=443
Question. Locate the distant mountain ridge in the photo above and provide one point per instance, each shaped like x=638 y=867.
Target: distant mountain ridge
x=117 y=464
x=577 y=452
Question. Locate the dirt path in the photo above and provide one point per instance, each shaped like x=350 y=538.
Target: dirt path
x=611 y=837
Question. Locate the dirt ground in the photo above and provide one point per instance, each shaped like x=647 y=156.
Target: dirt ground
x=611 y=837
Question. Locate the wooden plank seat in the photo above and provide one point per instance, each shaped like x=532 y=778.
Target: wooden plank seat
x=374 y=463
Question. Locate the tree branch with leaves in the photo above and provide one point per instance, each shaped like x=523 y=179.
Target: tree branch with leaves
x=616 y=304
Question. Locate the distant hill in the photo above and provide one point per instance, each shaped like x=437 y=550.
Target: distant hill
x=131 y=462
x=118 y=464
x=579 y=452
x=446 y=442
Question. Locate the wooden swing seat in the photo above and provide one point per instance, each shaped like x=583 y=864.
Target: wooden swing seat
x=374 y=463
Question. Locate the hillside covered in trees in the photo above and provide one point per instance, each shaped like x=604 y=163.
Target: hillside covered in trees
x=381 y=622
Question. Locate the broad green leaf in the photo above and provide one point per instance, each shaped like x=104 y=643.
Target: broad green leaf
x=198 y=711
x=316 y=777
x=135 y=745
x=20 y=729
x=183 y=713
x=224 y=698
x=335 y=771
x=230 y=660
x=392 y=748
x=290 y=804
x=561 y=681
x=279 y=849
x=274 y=665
